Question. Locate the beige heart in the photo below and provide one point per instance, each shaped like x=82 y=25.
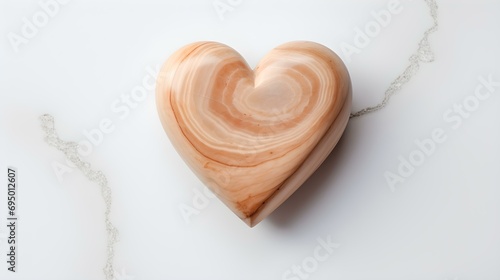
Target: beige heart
x=253 y=137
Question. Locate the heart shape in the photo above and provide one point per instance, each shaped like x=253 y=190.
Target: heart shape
x=253 y=137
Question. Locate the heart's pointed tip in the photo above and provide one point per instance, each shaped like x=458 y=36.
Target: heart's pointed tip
x=256 y=218
x=251 y=221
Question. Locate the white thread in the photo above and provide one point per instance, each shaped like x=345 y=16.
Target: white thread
x=70 y=150
x=423 y=54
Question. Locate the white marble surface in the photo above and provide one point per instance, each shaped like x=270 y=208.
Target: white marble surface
x=442 y=222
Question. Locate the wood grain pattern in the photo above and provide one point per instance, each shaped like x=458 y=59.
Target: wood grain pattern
x=254 y=136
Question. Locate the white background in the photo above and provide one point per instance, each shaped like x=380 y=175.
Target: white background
x=442 y=223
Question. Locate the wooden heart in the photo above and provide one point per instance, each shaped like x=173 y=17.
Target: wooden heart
x=253 y=137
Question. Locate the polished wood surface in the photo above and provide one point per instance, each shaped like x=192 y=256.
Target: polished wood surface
x=254 y=136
